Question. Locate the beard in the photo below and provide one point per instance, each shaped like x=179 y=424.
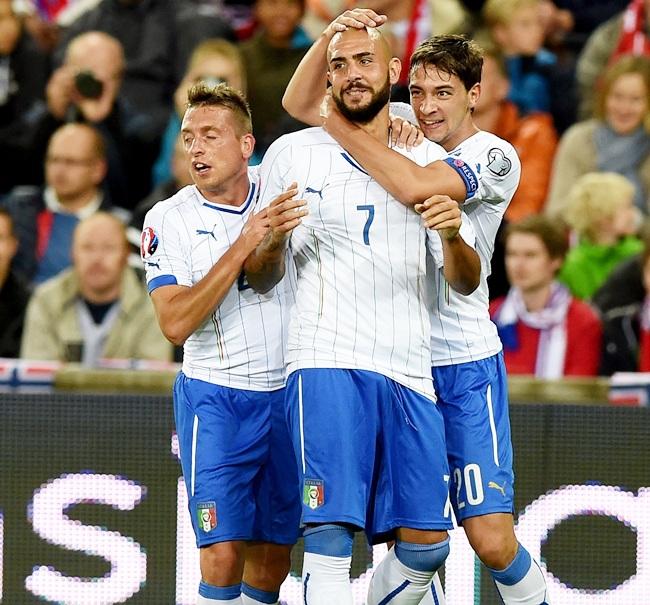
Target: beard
x=363 y=115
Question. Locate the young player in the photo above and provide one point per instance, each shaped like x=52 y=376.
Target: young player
x=229 y=398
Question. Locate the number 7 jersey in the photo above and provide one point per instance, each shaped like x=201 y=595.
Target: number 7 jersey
x=359 y=258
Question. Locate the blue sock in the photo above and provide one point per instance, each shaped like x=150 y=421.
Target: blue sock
x=258 y=595
x=219 y=593
x=517 y=569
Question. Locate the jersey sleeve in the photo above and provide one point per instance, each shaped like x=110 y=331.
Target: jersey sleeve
x=275 y=170
x=162 y=248
x=434 y=245
x=500 y=172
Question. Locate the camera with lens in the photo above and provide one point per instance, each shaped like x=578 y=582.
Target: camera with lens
x=88 y=85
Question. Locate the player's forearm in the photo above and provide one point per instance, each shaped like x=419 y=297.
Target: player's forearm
x=183 y=313
x=265 y=266
x=308 y=84
x=462 y=266
x=402 y=178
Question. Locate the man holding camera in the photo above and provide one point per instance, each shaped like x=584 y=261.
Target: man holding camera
x=86 y=88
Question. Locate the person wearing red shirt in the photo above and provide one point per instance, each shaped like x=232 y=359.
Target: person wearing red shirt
x=545 y=331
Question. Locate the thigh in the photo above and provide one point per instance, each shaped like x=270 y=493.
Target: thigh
x=412 y=490
x=223 y=438
x=333 y=426
x=277 y=495
x=473 y=398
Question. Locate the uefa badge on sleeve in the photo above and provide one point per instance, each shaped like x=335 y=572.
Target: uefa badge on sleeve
x=313 y=494
x=207 y=515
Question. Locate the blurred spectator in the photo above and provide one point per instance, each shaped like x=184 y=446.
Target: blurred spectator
x=13 y=294
x=601 y=213
x=627 y=33
x=96 y=310
x=23 y=74
x=617 y=139
x=517 y=29
x=86 y=89
x=270 y=58
x=533 y=136
x=545 y=331
x=626 y=330
x=44 y=218
x=213 y=61
x=179 y=177
x=158 y=37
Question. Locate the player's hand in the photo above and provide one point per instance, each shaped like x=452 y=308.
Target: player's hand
x=404 y=134
x=441 y=213
x=285 y=213
x=254 y=230
x=357 y=18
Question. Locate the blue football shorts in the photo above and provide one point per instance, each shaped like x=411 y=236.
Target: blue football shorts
x=473 y=399
x=238 y=463
x=371 y=452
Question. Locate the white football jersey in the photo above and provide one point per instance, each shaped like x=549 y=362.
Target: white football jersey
x=359 y=256
x=461 y=327
x=241 y=344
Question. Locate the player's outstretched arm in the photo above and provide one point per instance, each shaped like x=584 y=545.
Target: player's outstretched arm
x=264 y=266
x=403 y=179
x=462 y=266
x=181 y=309
x=309 y=82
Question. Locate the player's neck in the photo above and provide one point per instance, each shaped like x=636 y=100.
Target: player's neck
x=231 y=192
x=466 y=130
x=378 y=127
x=536 y=299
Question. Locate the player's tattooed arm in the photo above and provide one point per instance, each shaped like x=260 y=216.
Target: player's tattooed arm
x=462 y=266
x=181 y=309
x=309 y=82
x=264 y=267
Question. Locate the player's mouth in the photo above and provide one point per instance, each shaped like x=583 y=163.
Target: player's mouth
x=356 y=92
x=200 y=168
x=431 y=124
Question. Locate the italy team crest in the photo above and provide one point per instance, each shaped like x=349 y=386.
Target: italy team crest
x=207 y=515
x=313 y=494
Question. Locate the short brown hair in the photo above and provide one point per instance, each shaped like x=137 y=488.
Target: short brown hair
x=222 y=95
x=553 y=234
x=452 y=54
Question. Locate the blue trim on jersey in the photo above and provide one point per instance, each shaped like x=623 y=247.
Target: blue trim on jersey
x=466 y=173
x=350 y=161
x=219 y=593
x=161 y=280
x=389 y=597
x=247 y=203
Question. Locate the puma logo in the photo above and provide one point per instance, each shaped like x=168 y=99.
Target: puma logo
x=318 y=192
x=496 y=486
x=210 y=233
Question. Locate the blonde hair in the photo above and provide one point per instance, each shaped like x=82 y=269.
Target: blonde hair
x=218 y=47
x=500 y=12
x=594 y=197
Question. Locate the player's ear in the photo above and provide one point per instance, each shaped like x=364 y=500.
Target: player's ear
x=474 y=94
x=394 y=70
x=247 y=143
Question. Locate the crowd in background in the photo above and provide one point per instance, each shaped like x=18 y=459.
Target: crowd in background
x=92 y=94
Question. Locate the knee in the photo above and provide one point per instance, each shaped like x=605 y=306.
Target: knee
x=330 y=539
x=496 y=551
x=222 y=563
x=269 y=572
x=422 y=557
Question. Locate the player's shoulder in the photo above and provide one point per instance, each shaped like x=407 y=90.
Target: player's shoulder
x=496 y=156
x=314 y=135
x=424 y=153
x=177 y=202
